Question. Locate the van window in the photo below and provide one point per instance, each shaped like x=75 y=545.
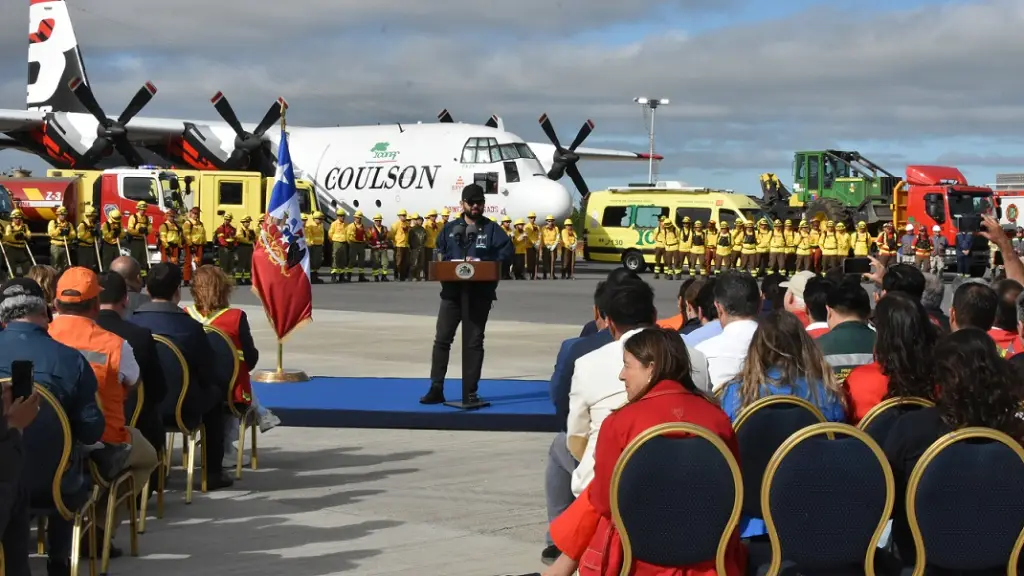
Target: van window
x=616 y=217
x=304 y=205
x=728 y=216
x=648 y=216
x=138 y=188
x=230 y=193
x=702 y=214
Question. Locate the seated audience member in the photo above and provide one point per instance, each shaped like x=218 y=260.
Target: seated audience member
x=793 y=298
x=211 y=291
x=773 y=295
x=659 y=389
x=707 y=315
x=816 y=299
x=850 y=342
x=113 y=361
x=905 y=278
x=974 y=306
x=46 y=277
x=976 y=388
x=737 y=301
x=692 y=309
x=131 y=270
x=616 y=275
x=902 y=355
x=64 y=372
x=934 y=292
x=596 y=391
x=676 y=322
x=14 y=503
x=113 y=307
x=1004 y=327
x=205 y=400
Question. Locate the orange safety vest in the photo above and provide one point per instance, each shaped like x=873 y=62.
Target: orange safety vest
x=229 y=321
x=102 y=350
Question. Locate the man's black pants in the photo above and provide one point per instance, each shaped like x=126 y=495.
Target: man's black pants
x=14 y=523
x=449 y=316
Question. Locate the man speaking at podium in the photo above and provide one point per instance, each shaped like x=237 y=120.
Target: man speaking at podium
x=471 y=237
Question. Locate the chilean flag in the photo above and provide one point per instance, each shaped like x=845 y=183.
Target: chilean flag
x=280 y=260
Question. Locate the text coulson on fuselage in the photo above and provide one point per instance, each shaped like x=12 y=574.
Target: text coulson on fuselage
x=382 y=178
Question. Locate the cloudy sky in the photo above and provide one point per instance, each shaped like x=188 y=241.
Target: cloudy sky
x=902 y=81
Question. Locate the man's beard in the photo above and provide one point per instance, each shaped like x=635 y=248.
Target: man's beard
x=475 y=211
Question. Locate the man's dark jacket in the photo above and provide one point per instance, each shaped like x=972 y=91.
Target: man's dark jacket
x=141 y=340
x=490 y=244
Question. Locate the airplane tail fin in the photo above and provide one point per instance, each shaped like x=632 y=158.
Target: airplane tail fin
x=54 y=59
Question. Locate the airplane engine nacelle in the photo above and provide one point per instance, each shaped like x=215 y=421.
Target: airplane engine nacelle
x=58 y=141
x=202 y=148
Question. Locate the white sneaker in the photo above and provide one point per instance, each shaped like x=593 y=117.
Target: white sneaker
x=268 y=421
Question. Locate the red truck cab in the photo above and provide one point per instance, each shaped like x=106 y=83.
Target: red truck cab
x=123 y=189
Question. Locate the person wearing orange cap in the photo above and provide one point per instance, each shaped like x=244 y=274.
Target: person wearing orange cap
x=533 y=233
x=112 y=360
x=550 y=239
x=568 y=250
x=195 y=242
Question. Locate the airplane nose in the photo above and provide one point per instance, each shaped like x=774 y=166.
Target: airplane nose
x=552 y=199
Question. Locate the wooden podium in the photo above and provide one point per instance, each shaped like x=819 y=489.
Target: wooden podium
x=466 y=271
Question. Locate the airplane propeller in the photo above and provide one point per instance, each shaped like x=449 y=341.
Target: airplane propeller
x=112 y=133
x=565 y=159
x=445 y=117
x=247 y=144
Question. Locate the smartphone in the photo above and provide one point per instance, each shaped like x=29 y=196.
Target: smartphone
x=857 y=265
x=22 y=375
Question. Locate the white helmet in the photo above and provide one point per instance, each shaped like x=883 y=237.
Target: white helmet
x=910 y=227
x=936 y=228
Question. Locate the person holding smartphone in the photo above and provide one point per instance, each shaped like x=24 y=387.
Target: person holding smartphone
x=18 y=413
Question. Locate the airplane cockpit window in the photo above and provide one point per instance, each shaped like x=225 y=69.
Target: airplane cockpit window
x=487 y=150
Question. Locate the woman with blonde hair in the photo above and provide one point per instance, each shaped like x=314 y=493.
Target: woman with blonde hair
x=656 y=372
x=211 y=291
x=46 y=277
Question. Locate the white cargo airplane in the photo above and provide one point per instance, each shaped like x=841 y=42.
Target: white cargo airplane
x=381 y=168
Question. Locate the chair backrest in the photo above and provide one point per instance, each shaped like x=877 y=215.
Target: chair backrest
x=48 y=439
x=676 y=499
x=760 y=429
x=878 y=422
x=827 y=495
x=176 y=375
x=225 y=363
x=133 y=405
x=965 y=502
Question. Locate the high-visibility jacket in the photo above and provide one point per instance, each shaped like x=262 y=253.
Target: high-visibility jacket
x=86 y=233
x=229 y=321
x=764 y=239
x=750 y=243
x=698 y=240
x=225 y=235
x=803 y=247
x=112 y=232
x=60 y=233
x=568 y=238
x=195 y=233
x=139 y=225
x=659 y=237
x=432 y=231
x=355 y=233
x=102 y=350
x=171 y=234
x=829 y=244
x=379 y=237
x=843 y=243
x=533 y=233
x=737 y=240
x=338 y=231
x=315 y=233
x=245 y=236
x=815 y=238
x=862 y=243
x=923 y=246
x=521 y=241
x=724 y=245
x=550 y=237
x=888 y=244
x=671 y=237
x=791 y=240
x=778 y=242
x=400 y=234
x=686 y=238
x=711 y=240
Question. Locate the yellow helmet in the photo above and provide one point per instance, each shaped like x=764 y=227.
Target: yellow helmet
x=414 y=215
x=402 y=212
x=114 y=215
x=305 y=217
x=862 y=224
x=520 y=222
x=711 y=222
x=777 y=222
x=686 y=219
x=431 y=213
x=830 y=224
x=228 y=216
x=531 y=215
x=246 y=219
x=549 y=218
x=446 y=212
x=62 y=211
x=17 y=213
x=341 y=213
x=378 y=216
x=318 y=215
x=803 y=224
x=90 y=210
x=568 y=222
x=789 y=223
x=840 y=226
x=141 y=205
x=724 y=224
x=506 y=219
x=762 y=222
x=749 y=224
x=358 y=214
x=698 y=224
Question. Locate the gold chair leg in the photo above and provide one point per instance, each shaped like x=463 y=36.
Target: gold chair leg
x=254 y=428
x=190 y=467
x=133 y=516
x=41 y=535
x=108 y=527
x=241 y=448
x=169 y=450
x=76 y=543
x=145 y=502
x=203 y=447
x=92 y=539
x=161 y=479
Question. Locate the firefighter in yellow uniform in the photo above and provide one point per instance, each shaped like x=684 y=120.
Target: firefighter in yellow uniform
x=400 y=240
x=338 y=234
x=112 y=233
x=245 y=240
x=172 y=238
x=533 y=233
x=356 y=238
x=430 y=248
x=685 y=244
x=672 y=237
x=88 y=251
x=550 y=239
x=723 y=252
x=569 y=241
x=829 y=247
x=764 y=240
x=803 y=247
x=792 y=239
x=522 y=244
x=710 y=245
x=844 y=241
x=862 y=240
x=506 y=267
x=62 y=237
x=777 y=249
x=315 y=234
x=195 y=243
x=660 y=262
x=15 y=240
x=697 y=249
x=737 y=245
x=749 y=248
x=139 y=227
x=445 y=215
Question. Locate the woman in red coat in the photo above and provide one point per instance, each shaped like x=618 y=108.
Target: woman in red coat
x=660 y=390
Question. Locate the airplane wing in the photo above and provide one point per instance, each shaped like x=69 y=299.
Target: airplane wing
x=18 y=120
x=545 y=151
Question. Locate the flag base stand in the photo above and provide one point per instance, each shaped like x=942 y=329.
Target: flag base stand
x=464 y=405
x=279 y=376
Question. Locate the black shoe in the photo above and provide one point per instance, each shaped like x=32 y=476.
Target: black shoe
x=473 y=398
x=362 y=278
x=58 y=568
x=550 y=554
x=115 y=552
x=434 y=396
x=218 y=480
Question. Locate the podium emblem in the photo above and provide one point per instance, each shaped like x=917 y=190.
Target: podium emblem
x=465 y=271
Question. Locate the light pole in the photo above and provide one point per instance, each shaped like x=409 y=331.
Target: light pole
x=652 y=105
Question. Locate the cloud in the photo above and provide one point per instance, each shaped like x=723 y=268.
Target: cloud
x=743 y=96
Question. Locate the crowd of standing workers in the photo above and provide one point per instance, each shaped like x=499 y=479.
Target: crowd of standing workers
x=785 y=248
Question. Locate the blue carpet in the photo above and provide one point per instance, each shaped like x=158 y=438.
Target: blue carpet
x=516 y=405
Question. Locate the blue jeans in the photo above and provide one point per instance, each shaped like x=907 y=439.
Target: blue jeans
x=558 y=480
